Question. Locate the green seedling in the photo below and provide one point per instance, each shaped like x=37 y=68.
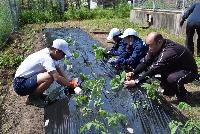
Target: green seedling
x=97 y=125
x=117 y=82
x=151 y=89
x=99 y=52
x=75 y=54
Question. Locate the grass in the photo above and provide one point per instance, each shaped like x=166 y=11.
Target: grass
x=123 y=23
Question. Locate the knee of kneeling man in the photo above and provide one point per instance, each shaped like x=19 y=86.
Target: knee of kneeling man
x=172 y=80
x=50 y=79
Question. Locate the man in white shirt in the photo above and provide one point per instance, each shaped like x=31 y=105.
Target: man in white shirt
x=38 y=71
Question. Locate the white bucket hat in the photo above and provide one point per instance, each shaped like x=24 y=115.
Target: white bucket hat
x=113 y=32
x=62 y=45
x=129 y=31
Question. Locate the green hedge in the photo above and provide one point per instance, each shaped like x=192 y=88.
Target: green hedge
x=38 y=16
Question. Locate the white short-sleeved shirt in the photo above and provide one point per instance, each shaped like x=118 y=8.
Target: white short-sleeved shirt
x=36 y=63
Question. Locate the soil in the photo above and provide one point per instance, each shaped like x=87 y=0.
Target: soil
x=18 y=118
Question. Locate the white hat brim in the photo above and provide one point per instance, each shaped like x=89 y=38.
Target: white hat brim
x=122 y=36
x=67 y=54
x=109 y=38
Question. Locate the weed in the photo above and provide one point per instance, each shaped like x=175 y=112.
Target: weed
x=9 y=60
x=192 y=125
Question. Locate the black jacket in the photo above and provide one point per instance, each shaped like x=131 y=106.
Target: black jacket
x=172 y=57
x=193 y=15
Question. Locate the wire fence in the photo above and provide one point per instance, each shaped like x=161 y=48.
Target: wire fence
x=164 y=4
x=6 y=20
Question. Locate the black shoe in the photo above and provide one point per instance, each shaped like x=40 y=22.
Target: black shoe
x=184 y=97
x=43 y=97
x=36 y=101
x=168 y=92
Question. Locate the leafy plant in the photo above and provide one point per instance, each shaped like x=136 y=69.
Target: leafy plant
x=99 y=52
x=90 y=102
x=185 y=106
x=66 y=61
x=198 y=63
x=174 y=125
x=83 y=77
x=93 y=89
x=75 y=54
x=69 y=40
x=135 y=104
x=117 y=82
x=151 y=88
x=192 y=125
x=8 y=59
x=103 y=113
x=81 y=100
x=116 y=118
x=97 y=125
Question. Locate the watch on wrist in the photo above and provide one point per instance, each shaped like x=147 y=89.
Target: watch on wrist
x=136 y=81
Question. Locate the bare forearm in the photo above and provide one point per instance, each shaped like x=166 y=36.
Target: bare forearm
x=61 y=72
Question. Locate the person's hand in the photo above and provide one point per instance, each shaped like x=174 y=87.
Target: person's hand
x=72 y=84
x=181 y=23
x=117 y=67
x=129 y=83
x=129 y=75
x=108 y=52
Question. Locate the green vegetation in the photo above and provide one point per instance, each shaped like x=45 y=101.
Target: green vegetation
x=90 y=102
x=9 y=60
x=122 y=24
x=198 y=61
x=192 y=125
x=6 y=24
x=11 y=57
x=151 y=89
x=117 y=82
x=53 y=15
x=98 y=51
x=121 y=11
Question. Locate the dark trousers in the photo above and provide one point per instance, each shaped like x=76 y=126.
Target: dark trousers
x=190 y=30
x=173 y=83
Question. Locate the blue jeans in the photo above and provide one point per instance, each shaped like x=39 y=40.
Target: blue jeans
x=25 y=86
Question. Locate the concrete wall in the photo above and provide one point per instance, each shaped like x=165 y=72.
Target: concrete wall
x=160 y=19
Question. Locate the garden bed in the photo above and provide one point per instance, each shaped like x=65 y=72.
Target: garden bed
x=142 y=114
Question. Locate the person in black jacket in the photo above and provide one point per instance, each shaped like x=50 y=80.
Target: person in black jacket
x=193 y=23
x=172 y=61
